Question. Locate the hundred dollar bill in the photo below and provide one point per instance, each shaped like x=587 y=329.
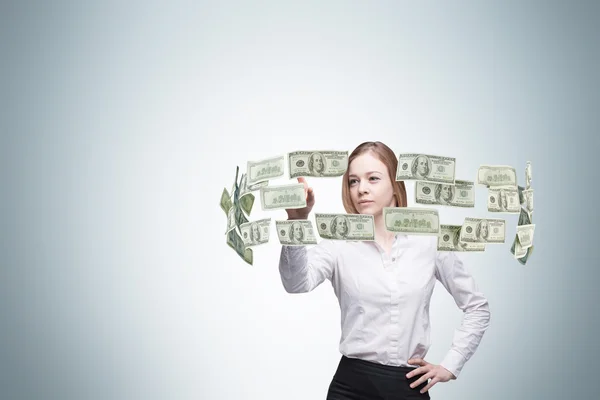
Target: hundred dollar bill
x=235 y=217
x=528 y=194
x=424 y=167
x=516 y=249
x=263 y=170
x=256 y=232
x=449 y=240
x=483 y=230
x=236 y=243
x=225 y=201
x=346 y=226
x=296 y=232
x=523 y=260
x=503 y=200
x=412 y=220
x=524 y=217
x=283 y=196
x=317 y=163
x=521 y=196
x=497 y=175
x=246 y=198
x=461 y=194
x=525 y=235
x=528 y=175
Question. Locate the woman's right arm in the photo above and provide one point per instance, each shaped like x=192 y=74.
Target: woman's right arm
x=303 y=269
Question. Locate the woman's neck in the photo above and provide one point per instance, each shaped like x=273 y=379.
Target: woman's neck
x=382 y=235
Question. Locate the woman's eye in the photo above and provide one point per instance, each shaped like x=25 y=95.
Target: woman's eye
x=352 y=181
x=374 y=177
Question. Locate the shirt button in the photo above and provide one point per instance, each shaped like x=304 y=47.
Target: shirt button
x=393 y=258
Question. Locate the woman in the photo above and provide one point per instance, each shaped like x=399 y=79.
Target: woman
x=384 y=289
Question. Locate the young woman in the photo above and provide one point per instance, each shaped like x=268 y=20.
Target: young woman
x=384 y=288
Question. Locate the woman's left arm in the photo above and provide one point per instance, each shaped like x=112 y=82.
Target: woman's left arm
x=451 y=272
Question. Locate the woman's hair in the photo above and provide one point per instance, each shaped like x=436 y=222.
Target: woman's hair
x=388 y=158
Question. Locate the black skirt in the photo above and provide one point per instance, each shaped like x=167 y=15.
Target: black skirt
x=357 y=379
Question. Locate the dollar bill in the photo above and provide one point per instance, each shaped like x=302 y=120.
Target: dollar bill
x=521 y=196
x=225 y=201
x=528 y=194
x=283 y=196
x=246 y=198
x=263 y=170
x=503 y=200
x=497 y=175
x=317 y=163
x=524 y=217
x=449 y=240
x=528 y=175
x=235 y=218
x=425 y=167
x=256 y=232
x=525 y=235
x=345 y=226
x=516 y=249
x=461 y=194
x=523 y=260
x=483 y=230
x=298 y=232
x=236 y=243
x=412 y=220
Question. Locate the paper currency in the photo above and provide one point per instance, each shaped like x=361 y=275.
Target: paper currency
x=246 y=198
x=528 y=194
x=461 y=194
x=236 y=243
x=317 y=163
x=235 y=217
x=282 y=197
x=298 y=232
x=345 y=226
x=424 y=167
x=525 y=235
x=256 y=232
x=503 y=200
x=523 y=260
x=516 y=249
x=412 y=220
x=449 y=240
x=263 y=170
x=225 y=201
x=483 y=230
x=524 y=217
x=521 y=196
x=497 y=175
x=528 y=175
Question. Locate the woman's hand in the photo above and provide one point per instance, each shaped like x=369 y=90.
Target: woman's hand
x=436 y=373
x=302 y=213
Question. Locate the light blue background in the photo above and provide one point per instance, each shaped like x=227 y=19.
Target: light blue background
x=122 y=123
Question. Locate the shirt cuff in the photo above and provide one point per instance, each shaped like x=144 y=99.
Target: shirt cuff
x=453 y=362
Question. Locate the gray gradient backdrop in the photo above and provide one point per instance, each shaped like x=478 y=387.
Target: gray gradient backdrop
x=122 y=123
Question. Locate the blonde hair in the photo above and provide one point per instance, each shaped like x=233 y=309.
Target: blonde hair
x=388 y=158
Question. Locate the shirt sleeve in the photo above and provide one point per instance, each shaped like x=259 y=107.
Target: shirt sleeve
x=302 y=269
x=451 y=272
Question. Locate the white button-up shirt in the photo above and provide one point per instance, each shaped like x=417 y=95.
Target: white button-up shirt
x=384 y=299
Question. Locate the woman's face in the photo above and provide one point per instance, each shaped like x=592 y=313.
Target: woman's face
x=370 y=185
